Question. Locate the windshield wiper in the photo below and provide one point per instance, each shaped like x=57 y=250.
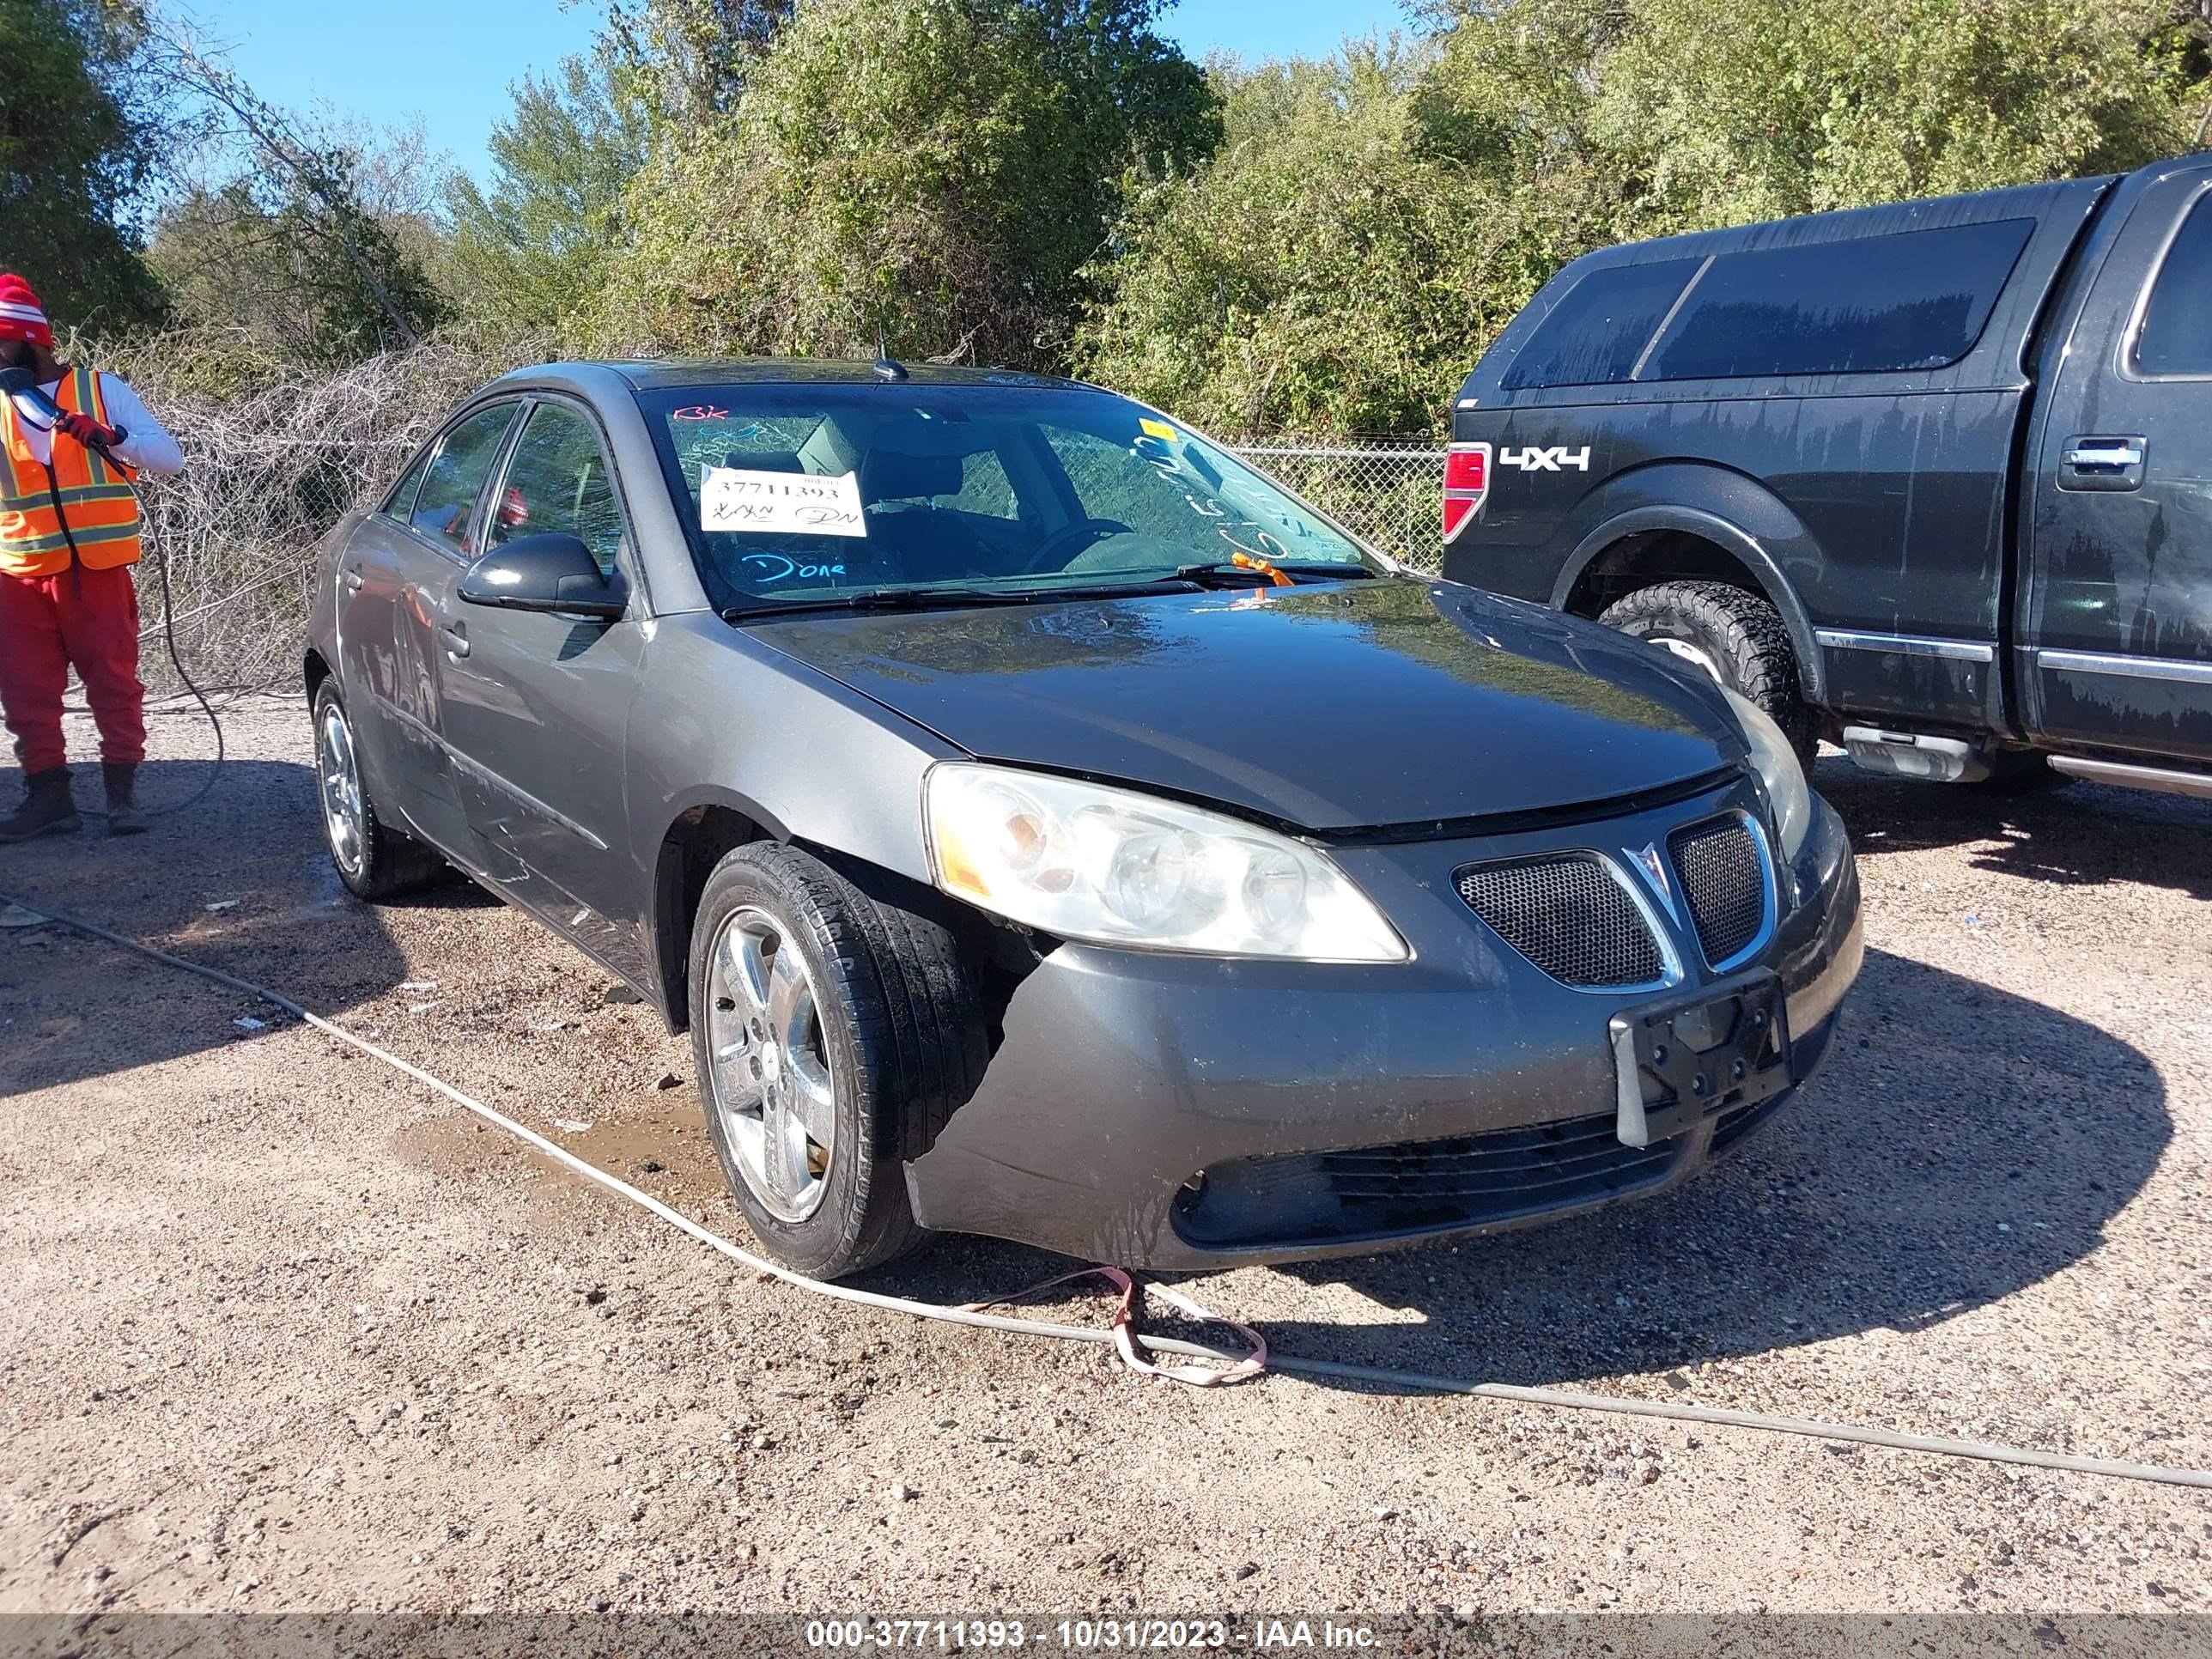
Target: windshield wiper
x=1255 y=574
x=921 y=597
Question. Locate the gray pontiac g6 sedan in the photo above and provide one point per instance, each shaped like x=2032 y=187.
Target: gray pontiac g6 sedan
x=1048 y=827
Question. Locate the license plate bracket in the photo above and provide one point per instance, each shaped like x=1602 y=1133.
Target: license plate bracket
x=1679 y=1061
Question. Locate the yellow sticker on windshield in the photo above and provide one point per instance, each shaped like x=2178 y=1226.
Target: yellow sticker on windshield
x=1159 y=430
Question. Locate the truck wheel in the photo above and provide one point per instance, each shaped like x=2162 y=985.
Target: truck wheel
x=375 y=861
x=1734 y=637
x=833 y=1037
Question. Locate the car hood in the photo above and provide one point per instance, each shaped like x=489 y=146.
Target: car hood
x=1330 y=705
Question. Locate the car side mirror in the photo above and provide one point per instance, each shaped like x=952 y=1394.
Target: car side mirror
x=547 y=572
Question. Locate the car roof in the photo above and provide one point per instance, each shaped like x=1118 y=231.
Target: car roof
x=672 y=375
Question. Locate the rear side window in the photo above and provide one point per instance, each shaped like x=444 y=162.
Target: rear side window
x=1600 y=325
x=1916 y=300
x=2176 y=328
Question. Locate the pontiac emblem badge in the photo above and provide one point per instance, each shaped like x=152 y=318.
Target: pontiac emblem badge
x=1655 y=874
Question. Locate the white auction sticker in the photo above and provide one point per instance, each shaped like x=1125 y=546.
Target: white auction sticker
x=780 y=503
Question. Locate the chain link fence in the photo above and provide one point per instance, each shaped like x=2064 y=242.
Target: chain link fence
x=1390 y=491
x=268 y=473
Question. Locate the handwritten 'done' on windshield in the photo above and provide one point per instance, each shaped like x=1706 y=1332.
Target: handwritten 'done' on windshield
x=736 y=498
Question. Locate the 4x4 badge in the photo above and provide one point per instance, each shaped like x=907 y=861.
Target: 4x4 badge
x=1551 y=458
x=1654 y=869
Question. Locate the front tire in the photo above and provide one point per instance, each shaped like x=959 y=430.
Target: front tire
x=833 y=1037
x=1736 y=637
x=375 y=861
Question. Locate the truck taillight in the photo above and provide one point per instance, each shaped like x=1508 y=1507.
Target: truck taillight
x=1467 y=481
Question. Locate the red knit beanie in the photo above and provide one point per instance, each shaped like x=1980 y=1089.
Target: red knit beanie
x=21 y=316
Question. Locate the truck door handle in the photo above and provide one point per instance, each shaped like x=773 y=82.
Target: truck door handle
x=457 y=640
x=2113 y=455
x=2102 y=462
x=353 y=578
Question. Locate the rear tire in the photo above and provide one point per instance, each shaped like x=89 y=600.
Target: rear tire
x=873 y=1031
x=1736 y=637
x=375 y=861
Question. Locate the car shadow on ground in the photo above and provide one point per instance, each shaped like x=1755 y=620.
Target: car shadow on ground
x=239 y=881
x=2081 y=833
x=1962 y=1144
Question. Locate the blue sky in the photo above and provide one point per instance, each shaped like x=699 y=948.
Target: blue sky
x=451 y=60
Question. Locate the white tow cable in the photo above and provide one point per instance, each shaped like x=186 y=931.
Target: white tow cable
x=1721 y=1417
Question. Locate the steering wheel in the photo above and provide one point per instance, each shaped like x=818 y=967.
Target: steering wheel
x=1080 y=534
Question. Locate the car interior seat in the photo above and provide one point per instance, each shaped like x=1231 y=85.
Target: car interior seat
x=888 y=476
x=765 y=460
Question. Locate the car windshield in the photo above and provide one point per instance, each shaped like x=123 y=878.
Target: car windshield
x=814 y=492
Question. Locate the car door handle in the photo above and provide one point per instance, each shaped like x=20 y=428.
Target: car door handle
x=2102 y=461
x=353 y=578
x=457 y=640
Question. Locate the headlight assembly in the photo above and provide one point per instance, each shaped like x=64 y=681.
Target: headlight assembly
x=1776 y=761
x=1116 y=868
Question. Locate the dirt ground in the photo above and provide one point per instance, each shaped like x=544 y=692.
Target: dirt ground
x=288 y=1331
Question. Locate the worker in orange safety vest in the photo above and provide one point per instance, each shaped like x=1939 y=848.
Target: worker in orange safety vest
x=68 y=535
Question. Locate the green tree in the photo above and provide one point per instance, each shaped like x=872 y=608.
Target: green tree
x=1776 y=108
x=940 y=170
x=261 y=275
x=1369 y=225
x=530 y=251
x=689 y=60
x=318 y=245
x=1323 y=274
x=78 y=128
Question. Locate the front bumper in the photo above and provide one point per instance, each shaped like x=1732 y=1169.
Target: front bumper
x=1339 y=1110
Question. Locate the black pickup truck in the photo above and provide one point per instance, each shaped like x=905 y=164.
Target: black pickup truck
x=1932 y=481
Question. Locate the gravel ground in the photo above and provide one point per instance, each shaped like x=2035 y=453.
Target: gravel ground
x=291 y=1333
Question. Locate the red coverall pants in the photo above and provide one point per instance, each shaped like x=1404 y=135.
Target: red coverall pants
x=80 y=618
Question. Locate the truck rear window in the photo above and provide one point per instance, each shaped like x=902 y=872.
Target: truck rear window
x=1915 y=300
x=1600 y=325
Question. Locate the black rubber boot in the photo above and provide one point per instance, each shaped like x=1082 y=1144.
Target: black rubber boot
x=123 y=815
x=46 y=810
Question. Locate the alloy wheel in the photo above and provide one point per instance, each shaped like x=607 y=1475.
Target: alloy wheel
x=345 y=817
x=774 y=1087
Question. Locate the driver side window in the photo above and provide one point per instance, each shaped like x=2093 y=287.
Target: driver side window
x=984 y=487
x=1110 y=487
x=445 y=505
x=557 y=482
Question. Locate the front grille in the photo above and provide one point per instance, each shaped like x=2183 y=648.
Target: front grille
x=1723 y=875
x=1569 y=916
x=1529 y=1168
x=1420 y=1186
